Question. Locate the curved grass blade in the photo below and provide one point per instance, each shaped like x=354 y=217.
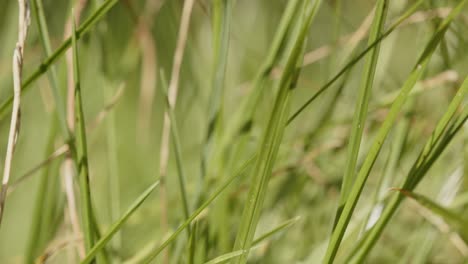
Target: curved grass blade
x=371 y=157
x=45 y=65
x=225 y=257
x=436 y=144
x=457 y=222
x=355 y=60
x=362 y=104
x=230 y=255
x=200 y=209
x=271 y=139
x=118 y=224
x=275 y=230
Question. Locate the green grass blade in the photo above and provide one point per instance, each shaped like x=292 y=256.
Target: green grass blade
x=371 y=157
x=45 y=39
x=34 y=244
x=248 y=107
x=45 y=65
x=178 y=151
x=431 y=151
x=362 y=104
x=222 y=10
x=118 y=224
x=197 y=212
x=271 y=139
x=457 y=222
x=355 y=60
x=83 y=170
x=225 y=257
x=275 y=230
x=230 y=255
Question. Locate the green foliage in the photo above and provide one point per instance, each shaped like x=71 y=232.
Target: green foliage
x=376 y=90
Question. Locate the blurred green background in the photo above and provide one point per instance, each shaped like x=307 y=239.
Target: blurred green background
x=115 y=55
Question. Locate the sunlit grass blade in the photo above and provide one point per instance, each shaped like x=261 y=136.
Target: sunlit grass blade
x=356 y=59
x=83 y=170
x=362 y=104
x=45 y=65
x=371 y=157
x=272 y=137
x=457 y=222
x=388 y=176
x=436 y=144
x=200 y=209
x=177 y=150
x=118 y=224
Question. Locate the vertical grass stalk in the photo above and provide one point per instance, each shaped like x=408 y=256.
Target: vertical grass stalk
x=83 y=169
x=382 y=133
x=272 y=137
x=362 y=104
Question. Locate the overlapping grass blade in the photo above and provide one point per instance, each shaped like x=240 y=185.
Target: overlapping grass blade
x=118 y=224
x=362 y=104
x=436 y=144
x=371 y=157
x=200 y=209
x=45 y=65
x=271 y=138
x=230 y=255
x=45 y=39
x=83 y=170
x=36 y=233
x=177 y=149
x=275 y=230
x=356 y=59
x=225 y=257
x=243 y=118
x=457 y=222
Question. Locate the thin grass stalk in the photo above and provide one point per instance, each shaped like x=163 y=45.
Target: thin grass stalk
x=34 y=243
x=431 y=151
x=371 y=157
x=411 y=10
x=114 y=175
x=23 y=23
x=242 y=121
x=362 y=104
x=221 y=37
x=399 y=138
x=177 y=149
x=271 y=138
x=47 y=63
x=166 y=130
x=222 y=188
x=45 y=39
x=83 y=170
x=455 y=220
x=60 y=109
x=59 y=152
x=117 y=225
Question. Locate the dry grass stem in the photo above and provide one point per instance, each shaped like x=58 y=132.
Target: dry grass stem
x=23 y=24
